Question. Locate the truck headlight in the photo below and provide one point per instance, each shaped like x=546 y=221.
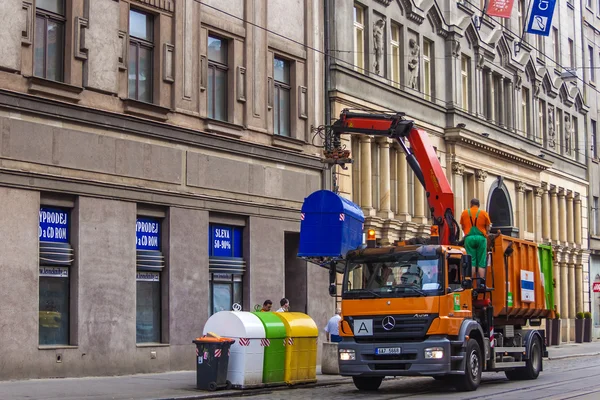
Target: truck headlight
x=434 y=353
x=347 y=355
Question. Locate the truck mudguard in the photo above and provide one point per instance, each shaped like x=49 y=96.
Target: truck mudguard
x=528 y=340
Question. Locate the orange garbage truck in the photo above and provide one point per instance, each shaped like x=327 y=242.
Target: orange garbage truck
x=417 y=308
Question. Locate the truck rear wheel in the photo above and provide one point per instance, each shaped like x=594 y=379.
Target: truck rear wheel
x=473 y=366
x=369 y=383
x=533 y=365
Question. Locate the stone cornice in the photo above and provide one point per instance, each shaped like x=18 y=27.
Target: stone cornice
x=164 y=5
x=496 y=148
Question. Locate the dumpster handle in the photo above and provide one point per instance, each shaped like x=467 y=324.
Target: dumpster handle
x=507 y=253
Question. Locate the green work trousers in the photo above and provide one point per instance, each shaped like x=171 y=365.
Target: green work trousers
x=476 y=246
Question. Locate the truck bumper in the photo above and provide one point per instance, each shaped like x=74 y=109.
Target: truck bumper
x=410 y=362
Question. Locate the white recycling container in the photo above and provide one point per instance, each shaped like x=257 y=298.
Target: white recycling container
x=247 y=354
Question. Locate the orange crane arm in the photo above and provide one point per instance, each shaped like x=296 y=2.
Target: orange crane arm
x=421 y=157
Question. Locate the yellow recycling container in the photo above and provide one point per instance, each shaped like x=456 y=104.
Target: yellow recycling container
x=300 y=347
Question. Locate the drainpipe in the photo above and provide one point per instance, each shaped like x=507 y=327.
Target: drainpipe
x=326 y=46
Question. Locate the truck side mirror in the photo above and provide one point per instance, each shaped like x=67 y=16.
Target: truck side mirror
x=467 y=270
x=332 y=276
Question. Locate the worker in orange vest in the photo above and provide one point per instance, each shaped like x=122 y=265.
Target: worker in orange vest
x=476 y=225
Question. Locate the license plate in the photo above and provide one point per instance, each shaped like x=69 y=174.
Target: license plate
x=388 y=350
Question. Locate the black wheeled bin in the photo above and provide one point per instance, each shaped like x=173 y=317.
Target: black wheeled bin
x=212 y=359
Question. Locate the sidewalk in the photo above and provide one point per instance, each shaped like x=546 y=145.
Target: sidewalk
x=182 y=385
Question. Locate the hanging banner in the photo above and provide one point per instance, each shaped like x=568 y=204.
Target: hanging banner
x=500 y=8
x=540 y=17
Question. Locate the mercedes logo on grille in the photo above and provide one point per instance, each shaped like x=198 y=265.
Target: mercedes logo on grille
x=388 y=323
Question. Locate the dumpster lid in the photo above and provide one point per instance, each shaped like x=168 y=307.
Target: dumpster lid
x=326 y=201
x=298 y=324
x=209 y=339
x=274 y=327
x=235 y=324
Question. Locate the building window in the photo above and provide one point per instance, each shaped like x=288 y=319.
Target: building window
x=427 y=69
x=595 y=216
x=217 y=78
x=226 y=267
x=540 y=46
x=525 y=112
x=282 y=97
x=359 y=38
x=594 y=141
x=395 y=43
x=141 y=33
x=521 y=12
x=588 y=3
x=465 y=79
x=556 y=46
x=591 y=63
x=55 y=258
x=49 y=39
x=542 y=122
x=571 y=54
x=150 y=263
x=559 y=131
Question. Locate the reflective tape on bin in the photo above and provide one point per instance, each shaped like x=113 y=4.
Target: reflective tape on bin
x=197 y=352
x=290 y=342
x=217 y=353
x=244 y=342
x=265 y=342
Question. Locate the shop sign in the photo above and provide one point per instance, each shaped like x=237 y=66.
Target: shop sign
x=53 y=225
x=147 y=233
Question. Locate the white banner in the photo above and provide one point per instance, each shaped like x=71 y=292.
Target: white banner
x=54 y=272
x=148 y=277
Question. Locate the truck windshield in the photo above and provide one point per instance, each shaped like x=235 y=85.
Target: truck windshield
x=406 y=274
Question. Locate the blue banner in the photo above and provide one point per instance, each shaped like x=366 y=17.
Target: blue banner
x=147 y=234
x=540 y=17
x=54 y=225
x=225 y=241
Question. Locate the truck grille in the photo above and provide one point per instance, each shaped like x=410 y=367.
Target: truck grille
x=408 y=327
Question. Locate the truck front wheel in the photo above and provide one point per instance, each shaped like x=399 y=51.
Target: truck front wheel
x=369 y=384
x=473 y=366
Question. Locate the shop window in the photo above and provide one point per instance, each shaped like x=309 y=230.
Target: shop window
x=226 y=267
x=55 y=259
x=49 y=39
x=150 y=263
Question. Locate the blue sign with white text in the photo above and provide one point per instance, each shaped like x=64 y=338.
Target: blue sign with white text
x=540 y=17
x=225 y=241
x=54 y=225
x=147 y=232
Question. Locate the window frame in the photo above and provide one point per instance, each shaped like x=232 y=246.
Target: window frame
x=465 y=78
x=592 y=75
x=596 y=215
x=359 y=29
x=218 y=66
x=278 y=88
x=525 y=110
x=594 y=139
x=556 y=45
x=58 y=19
x=428 y=82
x=148 y=45
x=395 y=50
x=571 y=52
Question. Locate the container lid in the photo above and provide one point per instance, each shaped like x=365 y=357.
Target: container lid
x=326 y=201
x=298 y=324
x=274 y=327
x=235 y=324
x=208 y=339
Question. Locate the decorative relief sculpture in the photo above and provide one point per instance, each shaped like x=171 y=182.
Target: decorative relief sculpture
x=551 y=135
x=569 y=132
x=378 y=45
x=481 y=175
x=458 y=168
x=521 y=187
x=413 y=64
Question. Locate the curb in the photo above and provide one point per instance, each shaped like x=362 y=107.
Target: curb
x=574 y=356
x=260 y=390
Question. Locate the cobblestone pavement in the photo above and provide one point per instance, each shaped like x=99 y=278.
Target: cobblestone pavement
x=574 y=378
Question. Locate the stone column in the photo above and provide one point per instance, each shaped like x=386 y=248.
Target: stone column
x=579 y=284
x=555 y=219
x=402 y=187
x=490 y=99
x=570 y=227
x=502 y=112
x=385 y=204
x=562 y=216
x=366 y=185
x=546 y=213
x=479 y=86
x=538 y=216
x=577 y=218
x=572 y=296
x=564 y=287
x=419 y=202
x=556 y=275
x=520 y=214
x=394 y=178
x=458 y=170
x=480 y=176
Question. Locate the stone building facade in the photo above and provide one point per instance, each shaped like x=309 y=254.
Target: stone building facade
x=186 y=126
x=507 y=128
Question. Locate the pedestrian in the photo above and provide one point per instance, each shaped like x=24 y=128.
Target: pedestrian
x=285 y=305
x=267 y=306
x=333 y=327
x=476 y=225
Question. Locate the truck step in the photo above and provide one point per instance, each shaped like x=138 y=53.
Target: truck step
x=499 y=350
x=457 y=358
x=514 y=364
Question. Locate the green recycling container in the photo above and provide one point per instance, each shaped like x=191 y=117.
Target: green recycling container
x=546 y=257
x=274 y=344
